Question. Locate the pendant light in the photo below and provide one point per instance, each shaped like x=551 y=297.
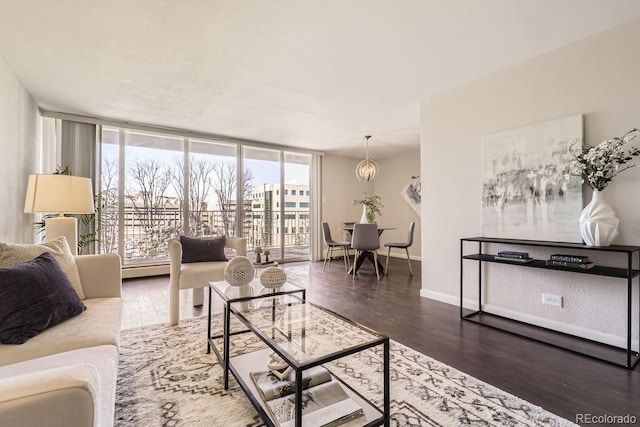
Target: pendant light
x=367 y=170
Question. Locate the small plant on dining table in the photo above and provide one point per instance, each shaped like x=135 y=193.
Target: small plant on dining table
x=373 y=205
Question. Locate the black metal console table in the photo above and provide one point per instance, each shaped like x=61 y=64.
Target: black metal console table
x=627 y=357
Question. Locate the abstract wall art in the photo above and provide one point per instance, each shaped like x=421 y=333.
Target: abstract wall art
x=412 y=193
x=527 y=192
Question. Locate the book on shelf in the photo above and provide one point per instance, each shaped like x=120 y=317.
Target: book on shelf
x=326 y=404
x=569 y=258
x=513 y=254
x=271 y=386
x=324 y=401
x=576 y=265
x=511 y=259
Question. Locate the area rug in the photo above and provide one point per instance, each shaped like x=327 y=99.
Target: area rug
x=166 y=378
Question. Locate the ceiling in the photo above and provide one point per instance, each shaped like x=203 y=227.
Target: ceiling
x=304 y=73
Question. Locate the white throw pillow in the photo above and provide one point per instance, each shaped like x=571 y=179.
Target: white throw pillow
x=14 y=253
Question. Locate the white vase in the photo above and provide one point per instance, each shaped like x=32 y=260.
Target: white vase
x=598 y=222
x=363 y=218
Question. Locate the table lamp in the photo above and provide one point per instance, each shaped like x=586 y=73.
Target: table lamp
x=64 y=194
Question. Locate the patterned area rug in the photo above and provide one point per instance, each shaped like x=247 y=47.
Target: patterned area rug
x=166 y=378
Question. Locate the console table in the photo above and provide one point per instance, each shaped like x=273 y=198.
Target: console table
x=627 y=357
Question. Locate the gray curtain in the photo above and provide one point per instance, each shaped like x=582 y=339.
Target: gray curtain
x=78 y=145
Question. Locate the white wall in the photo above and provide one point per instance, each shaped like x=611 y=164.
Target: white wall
x=20 y=147
x=340 y=188
x=395 y=174
x=598 y=77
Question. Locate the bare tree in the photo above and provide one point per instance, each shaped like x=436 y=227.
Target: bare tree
x=149 y=180
x=107 y=201
x=226 y=183
x=201 y=176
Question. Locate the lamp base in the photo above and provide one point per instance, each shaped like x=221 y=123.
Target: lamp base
x=63 y=226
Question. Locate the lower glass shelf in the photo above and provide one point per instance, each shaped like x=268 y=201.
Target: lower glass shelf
x=242 y=365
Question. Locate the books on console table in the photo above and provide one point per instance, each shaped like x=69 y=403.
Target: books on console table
x=324 y=401
x=513 y=254
x=569 y=258
x=576 y=265
x=512 y=259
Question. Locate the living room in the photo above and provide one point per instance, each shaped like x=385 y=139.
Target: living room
x=593 y=76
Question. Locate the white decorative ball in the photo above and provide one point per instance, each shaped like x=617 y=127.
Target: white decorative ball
x=273 y=277
x=239 y=271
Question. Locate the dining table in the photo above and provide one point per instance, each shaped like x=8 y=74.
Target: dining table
x=357 y=263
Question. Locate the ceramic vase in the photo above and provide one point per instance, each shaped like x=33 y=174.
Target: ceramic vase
x=598 y=222
x=363 y=218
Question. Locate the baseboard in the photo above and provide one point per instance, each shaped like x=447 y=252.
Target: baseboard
x=339 y=255
x=555 y=325
x=144 y=271
x=439 y=296
x=567 y=328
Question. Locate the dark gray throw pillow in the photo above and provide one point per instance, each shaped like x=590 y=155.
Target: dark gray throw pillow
x=202 y=250
x=35 y=295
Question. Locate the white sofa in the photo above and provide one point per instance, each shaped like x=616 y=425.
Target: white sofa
x=195 y=275
x=66 y=375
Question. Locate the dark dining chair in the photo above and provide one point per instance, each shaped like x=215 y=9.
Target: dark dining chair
x=402 y=245
x=365 y=238
x=331 y=244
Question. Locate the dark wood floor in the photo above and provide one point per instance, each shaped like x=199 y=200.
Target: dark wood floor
x=561 y=382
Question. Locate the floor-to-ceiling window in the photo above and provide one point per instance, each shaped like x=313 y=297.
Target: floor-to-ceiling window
x=156 y=187
x=297 y=203
x=152 y=195
x=212 y=177
x=263 y=173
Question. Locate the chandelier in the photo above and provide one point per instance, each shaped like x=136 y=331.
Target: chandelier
x=367 y=170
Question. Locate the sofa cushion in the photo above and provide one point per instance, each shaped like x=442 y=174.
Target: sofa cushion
x=13 y=253
x=99 y=324
x=202 y=250
x=103 y=358
x=35 y=295
x=199 y=274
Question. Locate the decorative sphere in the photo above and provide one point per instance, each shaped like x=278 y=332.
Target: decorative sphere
x=239 y=271
x=273 y=277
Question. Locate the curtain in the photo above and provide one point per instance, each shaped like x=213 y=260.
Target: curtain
x=316 y=206
x=78 y=146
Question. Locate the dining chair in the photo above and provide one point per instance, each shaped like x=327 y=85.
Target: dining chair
x=365 y=238
x=331 y=244
x=401 y=245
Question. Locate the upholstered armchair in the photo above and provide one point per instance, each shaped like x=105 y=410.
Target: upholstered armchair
x=195 y=273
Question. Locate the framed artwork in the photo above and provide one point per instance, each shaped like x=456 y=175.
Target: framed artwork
x=411 y=193
x=527 y=192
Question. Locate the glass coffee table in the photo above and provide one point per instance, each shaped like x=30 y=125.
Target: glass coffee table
x=250 y=296
x=290 y=379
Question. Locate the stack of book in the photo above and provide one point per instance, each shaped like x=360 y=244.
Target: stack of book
x=570 y=261
x=324 y=401
x=513 y=256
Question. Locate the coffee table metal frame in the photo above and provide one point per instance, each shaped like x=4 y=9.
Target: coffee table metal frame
x=299 y=295
x=288 y=289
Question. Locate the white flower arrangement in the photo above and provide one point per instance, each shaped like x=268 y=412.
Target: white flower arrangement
x=373 y=204
x=597 y=166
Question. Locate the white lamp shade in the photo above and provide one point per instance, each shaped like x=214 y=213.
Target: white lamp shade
x=59 y=193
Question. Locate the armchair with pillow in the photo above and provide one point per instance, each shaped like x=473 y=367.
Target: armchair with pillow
x=194 y=263
x=60 y=323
